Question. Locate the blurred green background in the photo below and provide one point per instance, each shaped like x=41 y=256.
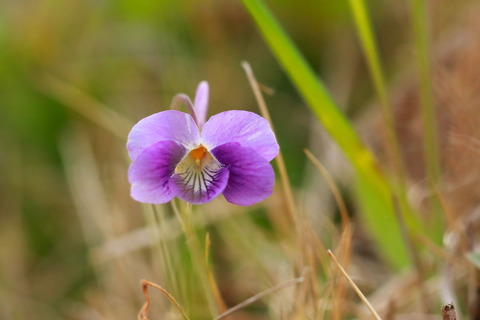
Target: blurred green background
x=75 y=75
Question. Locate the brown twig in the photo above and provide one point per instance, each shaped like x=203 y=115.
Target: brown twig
x=448 y=312
x=143 y=313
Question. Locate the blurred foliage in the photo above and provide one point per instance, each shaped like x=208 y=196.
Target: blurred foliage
x=73 y=243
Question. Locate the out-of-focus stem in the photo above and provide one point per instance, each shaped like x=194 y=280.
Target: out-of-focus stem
x=287 y=188
x=354 y=286
x=419 y=20
x=370 y=49
x=379 y=216
x=184 y=215
x=371 y=52
x=430 y=140
x=342 y=207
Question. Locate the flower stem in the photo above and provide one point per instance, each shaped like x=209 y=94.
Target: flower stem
x=184 y=216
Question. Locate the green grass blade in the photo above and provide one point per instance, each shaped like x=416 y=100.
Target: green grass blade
x=369 y=46
x=370 y=49
x=418 y=12
x=378 y=210
x=430 y=142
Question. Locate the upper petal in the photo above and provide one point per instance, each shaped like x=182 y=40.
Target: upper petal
x=246 y=128
x=166 y=125
x=251 y=177
x=150 y=172
x=201 y=102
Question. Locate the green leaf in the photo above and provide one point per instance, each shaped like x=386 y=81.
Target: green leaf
x=373 y=189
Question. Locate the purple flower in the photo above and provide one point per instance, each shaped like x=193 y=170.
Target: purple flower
x=176 y=154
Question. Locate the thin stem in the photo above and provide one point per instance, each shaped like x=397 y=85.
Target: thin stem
x=430 y=131
x=379 y=216
x=211 y=278
x=259 y=296
x=143 y=314
x=287 y=188
x=391 y=142
x=419 y=20
x=338 y=295
x=342 y=207
x=161 y=243
x=184 y=215
x=354 y=286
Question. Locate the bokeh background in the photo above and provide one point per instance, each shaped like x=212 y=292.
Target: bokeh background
x=76 y=75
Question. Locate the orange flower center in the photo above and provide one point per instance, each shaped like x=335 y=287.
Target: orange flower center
x=198 y=154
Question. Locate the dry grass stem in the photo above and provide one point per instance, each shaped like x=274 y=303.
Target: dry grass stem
x=156 y=221
x=314 y=289
x=143 y=313
x=354 y=286
x=266 y=90
x=342 y=207
x=211 y=278
x=279 y=159
x=193 y=243
x=318 y=247
x=339 y=292
x=259 y=296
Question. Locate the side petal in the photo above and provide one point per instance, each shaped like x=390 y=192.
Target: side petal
x=251 y=176
x=246 y=128
x=150 y=171
x=199 y=186
x=201 y=102
x=166 y=125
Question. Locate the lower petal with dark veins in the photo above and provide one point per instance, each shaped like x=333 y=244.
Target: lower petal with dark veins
x=197 y=182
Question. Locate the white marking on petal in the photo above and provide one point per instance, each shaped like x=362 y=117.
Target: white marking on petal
x=197 y=175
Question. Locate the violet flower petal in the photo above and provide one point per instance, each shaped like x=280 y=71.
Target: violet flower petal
x=201 y=103
x=199 y=188
x=251 y=176
x=246 y=128
x=166 y=125
x=150 y=172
